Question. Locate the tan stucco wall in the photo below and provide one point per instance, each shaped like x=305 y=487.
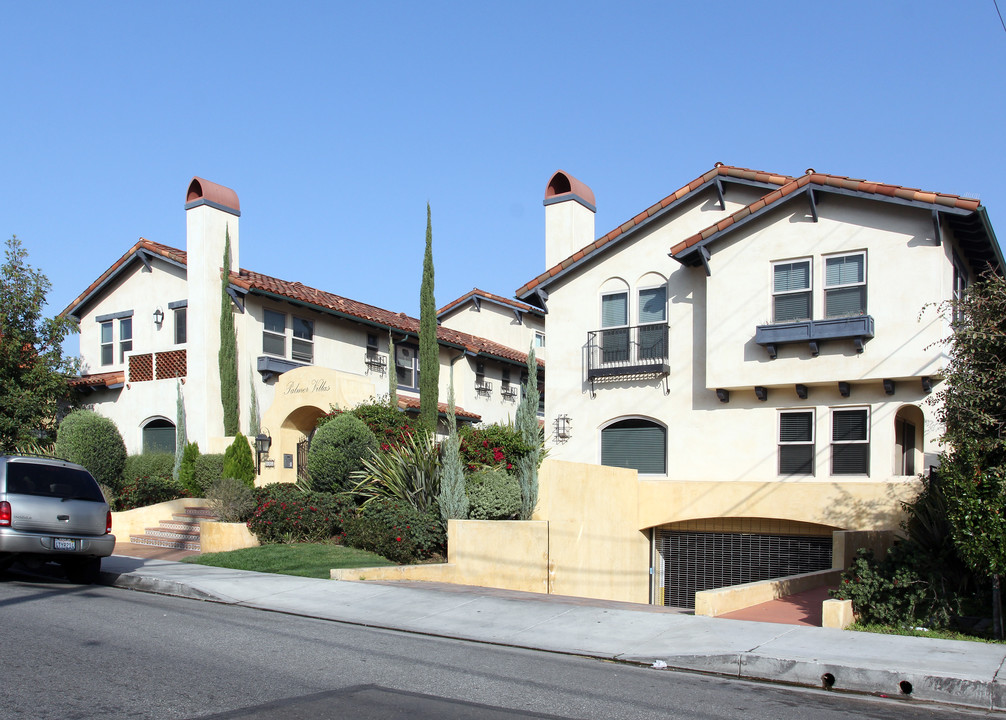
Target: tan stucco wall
x=486 y=553
x=223 y=537
x=596 y=546
x=135 y=522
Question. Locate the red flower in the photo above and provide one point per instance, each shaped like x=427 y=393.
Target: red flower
x=398 y=539
x=498 y=454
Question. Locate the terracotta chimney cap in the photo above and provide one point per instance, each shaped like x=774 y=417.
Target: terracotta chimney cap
x=563 y=183
x=213 y=194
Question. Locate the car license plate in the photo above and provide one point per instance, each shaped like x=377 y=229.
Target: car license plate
x=64 y=544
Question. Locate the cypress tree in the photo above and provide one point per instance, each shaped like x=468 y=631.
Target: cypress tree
x=254 y=425
x=527 y=425
x=179 y=432
x=228 y=356
x=392 y=372
x=429 y=353
x=453 y=499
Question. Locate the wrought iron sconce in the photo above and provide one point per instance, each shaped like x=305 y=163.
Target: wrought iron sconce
x=563 y=427
x=158 y=317
x=262 y=444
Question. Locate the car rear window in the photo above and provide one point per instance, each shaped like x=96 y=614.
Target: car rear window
x=51 y=481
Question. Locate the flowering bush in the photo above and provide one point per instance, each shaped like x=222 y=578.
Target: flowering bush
x=289 y=515
x=493 y=446
x=396 y=530
x=390 y=425
x=897 y=590
x=147 y=490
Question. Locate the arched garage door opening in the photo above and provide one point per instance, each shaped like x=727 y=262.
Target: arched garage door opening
x=706 y=554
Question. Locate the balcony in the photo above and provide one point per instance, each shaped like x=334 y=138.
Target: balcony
x=858 y=328
x=639 y=350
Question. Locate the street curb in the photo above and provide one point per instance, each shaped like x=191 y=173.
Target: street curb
x=158 y=587
x=750 y=665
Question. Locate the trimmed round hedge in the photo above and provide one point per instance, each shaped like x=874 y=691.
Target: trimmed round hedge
x=92 y=440
x=337 y=449
x=493 y=495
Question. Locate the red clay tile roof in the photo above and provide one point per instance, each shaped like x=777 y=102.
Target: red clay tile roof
x=719 y=170
x=407 y=402
x=253 y=281
x=516 y=304
x=825 y=181
x=99 y=379
x=164 y=251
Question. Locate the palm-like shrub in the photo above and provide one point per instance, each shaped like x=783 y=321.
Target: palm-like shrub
x=409 y=472
x=93 y=440
x=337 y=449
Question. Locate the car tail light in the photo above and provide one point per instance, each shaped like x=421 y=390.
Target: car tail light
x=108 y=522
x=4 y=514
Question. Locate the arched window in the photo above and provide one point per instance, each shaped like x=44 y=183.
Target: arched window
x=908 y=423
x=635 y=443
x=159 y=437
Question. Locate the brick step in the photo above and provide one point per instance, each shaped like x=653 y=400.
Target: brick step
x=164 y=542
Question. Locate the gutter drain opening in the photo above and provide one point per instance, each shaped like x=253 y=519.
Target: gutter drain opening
x=827 y=681
x=906 y=687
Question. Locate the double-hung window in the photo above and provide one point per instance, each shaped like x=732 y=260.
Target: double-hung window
x=796 y=442
x=125 y=337
x=791 y=291
x=107 y=343
x=407 y=367
x=615 y=327
x=181 y=330
x=845 y=285
x=302 y=345
x=274 y=333
x=850 y=441
x=653 y=323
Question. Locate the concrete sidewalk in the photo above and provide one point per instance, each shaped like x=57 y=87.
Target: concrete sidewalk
x=947 y=671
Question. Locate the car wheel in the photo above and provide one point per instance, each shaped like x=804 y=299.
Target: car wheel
x=83 y=572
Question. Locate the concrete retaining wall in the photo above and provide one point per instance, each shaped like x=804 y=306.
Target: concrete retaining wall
x=222 y=537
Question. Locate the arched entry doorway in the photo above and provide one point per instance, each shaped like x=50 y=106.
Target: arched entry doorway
x=299 y=425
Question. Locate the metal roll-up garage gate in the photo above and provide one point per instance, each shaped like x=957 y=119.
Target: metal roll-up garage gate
x=693 y=561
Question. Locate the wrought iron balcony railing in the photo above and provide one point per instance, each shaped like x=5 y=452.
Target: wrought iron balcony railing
x=639 y=350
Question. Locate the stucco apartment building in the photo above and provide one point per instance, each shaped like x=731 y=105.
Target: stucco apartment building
x=150 y=329
x=762 y=350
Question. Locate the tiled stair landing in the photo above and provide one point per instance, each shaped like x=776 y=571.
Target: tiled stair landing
x=181 y=532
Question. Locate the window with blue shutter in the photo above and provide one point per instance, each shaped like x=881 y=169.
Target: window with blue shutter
x=637 y=444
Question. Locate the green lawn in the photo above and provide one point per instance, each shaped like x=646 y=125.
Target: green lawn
x=917 y=632
x=303 y=559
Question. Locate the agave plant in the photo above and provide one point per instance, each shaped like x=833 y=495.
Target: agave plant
x=35 y=447
x=409 y=472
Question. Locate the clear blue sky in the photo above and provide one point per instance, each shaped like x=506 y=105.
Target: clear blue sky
x=336 y=122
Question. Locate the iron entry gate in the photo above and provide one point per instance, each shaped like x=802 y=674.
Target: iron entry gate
x=696 y=561
x=302 y=458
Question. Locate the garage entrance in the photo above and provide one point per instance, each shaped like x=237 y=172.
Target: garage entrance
x=732 y=552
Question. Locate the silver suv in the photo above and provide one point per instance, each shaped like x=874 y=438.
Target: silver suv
x=53 y=511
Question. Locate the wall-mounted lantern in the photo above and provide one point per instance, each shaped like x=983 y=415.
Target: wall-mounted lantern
x=158 y=317
x=563 y=427
x=262 y=444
